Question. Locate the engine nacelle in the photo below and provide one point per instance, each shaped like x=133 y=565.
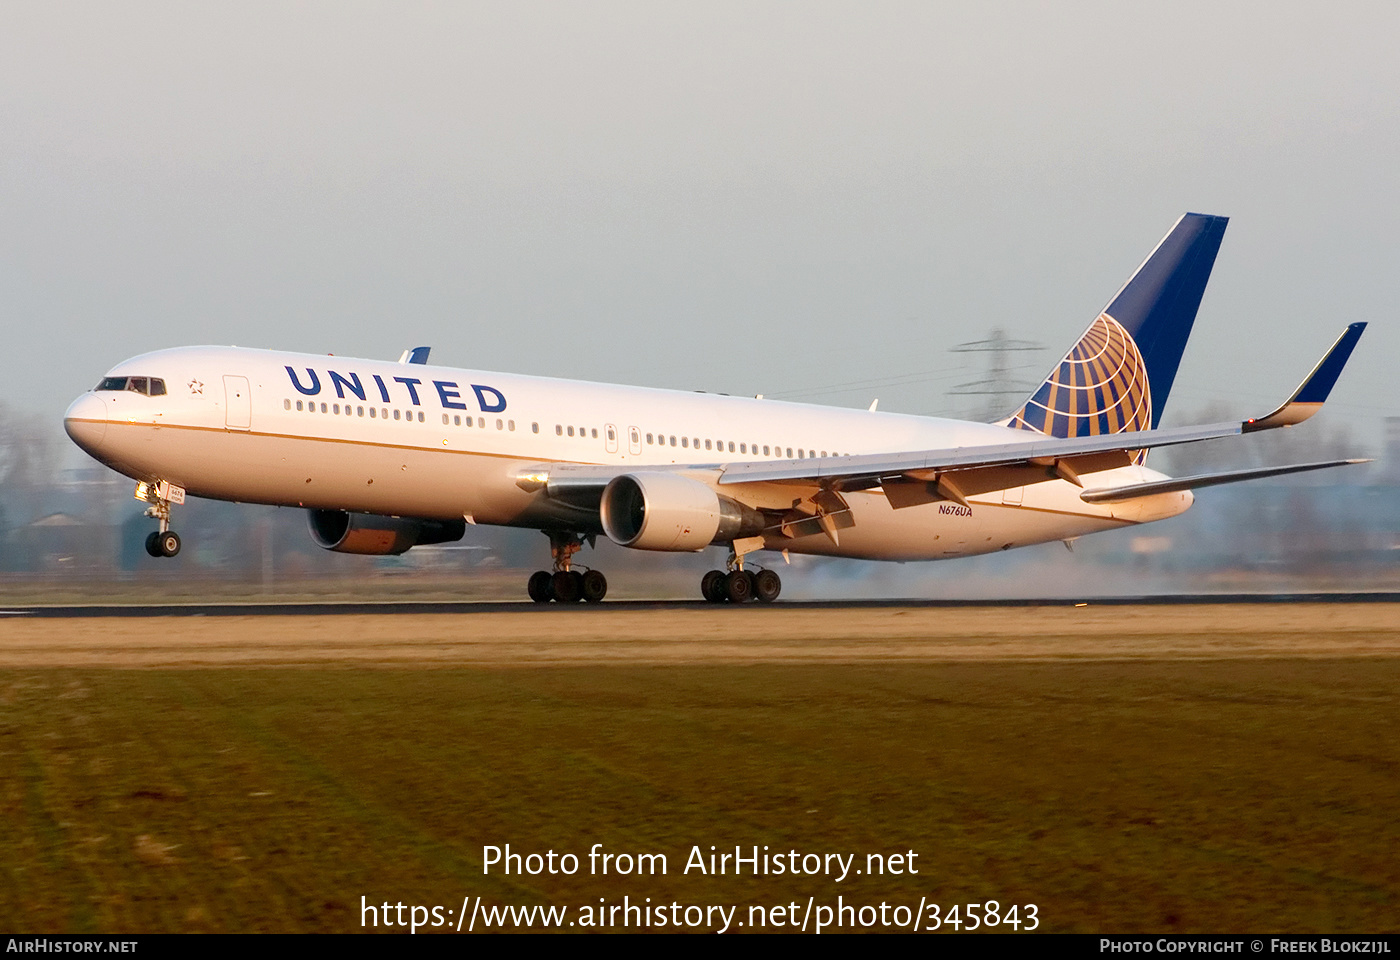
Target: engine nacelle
x=666 y=511
x=372 y=534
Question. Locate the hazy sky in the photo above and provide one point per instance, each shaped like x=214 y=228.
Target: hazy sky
x=746 y=197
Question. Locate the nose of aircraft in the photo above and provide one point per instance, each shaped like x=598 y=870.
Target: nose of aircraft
x=86 y=421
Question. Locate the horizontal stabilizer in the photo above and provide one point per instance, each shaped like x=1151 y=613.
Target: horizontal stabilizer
x=1313 y=391
x=416 y=355
x=1133 y=491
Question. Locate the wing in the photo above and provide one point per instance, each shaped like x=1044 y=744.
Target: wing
x=957 y=473
x=960 y=472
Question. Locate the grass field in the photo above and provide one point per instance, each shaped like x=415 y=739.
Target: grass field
x=1228 y=781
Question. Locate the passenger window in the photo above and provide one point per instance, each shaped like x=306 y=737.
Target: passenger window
x=673 y=441
x=335 y=409
x=685 y=441
x=286 y=404
x=571 y=431
x=731 y=446
x=510 y=425
x=372 y=413
x=611 y=434
x=558 y=430
x=500 y=425
x=649 y=440
x=765 y=453
x=594 y=433
x=481 y=422
x=298 y=405
x=789 y=453
x=707 y=446
x=534 y=428
x=743 y=448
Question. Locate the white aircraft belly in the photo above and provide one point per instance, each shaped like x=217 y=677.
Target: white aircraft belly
x=941 y=530
x=331 y=474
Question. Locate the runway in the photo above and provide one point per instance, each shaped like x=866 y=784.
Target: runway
x=523 y=635
x=332 y=609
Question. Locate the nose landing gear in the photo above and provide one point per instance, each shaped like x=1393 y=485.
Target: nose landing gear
x=163 y=542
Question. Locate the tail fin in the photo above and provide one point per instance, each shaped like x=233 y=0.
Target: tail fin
x=1117 y=377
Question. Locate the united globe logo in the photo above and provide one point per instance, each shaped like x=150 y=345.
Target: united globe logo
x=1100 y=387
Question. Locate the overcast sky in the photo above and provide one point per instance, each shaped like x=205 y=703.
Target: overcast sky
x=777 y=198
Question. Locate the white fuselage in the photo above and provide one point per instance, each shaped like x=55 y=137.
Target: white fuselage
x=437 y=442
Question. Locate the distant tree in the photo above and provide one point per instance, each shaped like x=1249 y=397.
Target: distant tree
x=28 y=457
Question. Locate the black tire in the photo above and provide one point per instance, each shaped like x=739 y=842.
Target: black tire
x=767 y=585
x=712 y=586
x=541 y=586
x=169 y=543
x=153 y=543
x=738 y=586
x=595 y=586
x=568 y=586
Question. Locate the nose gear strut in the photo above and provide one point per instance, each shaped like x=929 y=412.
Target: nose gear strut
x=162 y=542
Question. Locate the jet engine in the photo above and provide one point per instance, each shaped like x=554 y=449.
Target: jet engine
x=372 y=534
x=666 y=511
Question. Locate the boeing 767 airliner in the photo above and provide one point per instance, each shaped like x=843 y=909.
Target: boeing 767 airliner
x=385 y=456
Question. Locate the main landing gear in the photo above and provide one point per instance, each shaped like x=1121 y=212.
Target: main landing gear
x=740 y=585
x=565 y=584
x=163 y=542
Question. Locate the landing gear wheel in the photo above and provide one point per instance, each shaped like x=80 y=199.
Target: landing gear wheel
x=541 y=586
x=568 y=586
x=738 y=586
x=168 y=543
x=767 y=585
x=153 y=543
x=712 y=586
x=595 y=586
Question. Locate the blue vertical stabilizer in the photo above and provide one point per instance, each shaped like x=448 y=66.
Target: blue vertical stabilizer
x=1117 y=377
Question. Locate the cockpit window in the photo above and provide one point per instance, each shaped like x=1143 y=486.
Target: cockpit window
x=148 y=386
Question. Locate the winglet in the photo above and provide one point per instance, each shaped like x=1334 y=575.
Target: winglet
x=1313 y=391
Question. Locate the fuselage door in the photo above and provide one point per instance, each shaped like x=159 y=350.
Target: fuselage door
x=634 y=441
x=611 y=436
x=238 y=403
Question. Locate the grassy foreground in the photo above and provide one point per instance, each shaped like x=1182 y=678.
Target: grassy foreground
x=1159 y=796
